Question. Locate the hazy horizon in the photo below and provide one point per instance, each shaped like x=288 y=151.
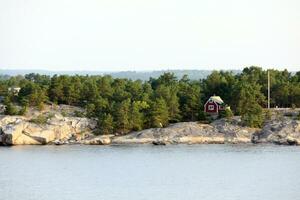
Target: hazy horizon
x=135 y=70
x=132 y=35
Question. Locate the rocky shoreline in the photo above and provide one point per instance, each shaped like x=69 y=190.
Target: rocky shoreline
x=59 y=130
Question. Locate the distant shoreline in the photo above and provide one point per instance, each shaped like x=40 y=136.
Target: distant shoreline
x=130 y=74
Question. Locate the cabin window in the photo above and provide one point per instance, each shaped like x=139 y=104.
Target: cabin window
x=211 y=107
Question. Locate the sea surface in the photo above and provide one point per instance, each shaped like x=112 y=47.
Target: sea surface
x=144 y=172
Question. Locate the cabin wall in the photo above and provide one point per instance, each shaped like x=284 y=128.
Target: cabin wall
x=211 y=107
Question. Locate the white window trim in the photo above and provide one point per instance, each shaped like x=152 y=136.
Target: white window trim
x=211 y=107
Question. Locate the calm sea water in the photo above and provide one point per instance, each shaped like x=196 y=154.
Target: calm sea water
x=207 y=172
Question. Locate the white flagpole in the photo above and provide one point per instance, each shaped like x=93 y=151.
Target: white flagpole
x=268 y=89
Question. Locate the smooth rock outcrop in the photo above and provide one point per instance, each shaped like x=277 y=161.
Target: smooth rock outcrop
x=284 y=131
x=218 y=132
x=59 y=130
x=19 y=130
x=99 y=140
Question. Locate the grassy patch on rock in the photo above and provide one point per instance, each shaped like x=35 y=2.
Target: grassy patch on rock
x=41 y=119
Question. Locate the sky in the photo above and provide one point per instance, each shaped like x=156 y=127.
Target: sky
x=118 y=35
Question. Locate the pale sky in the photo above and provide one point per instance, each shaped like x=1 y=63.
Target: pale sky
x=112 y=35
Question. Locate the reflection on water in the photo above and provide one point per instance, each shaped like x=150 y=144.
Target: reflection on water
x=206 y=172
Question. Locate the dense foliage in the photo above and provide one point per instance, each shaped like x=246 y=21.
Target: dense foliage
x=122 y=105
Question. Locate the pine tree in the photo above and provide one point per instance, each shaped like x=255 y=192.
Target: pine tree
x=190 y=101
x=169 y=94
x=106 y=124
x=137 y=117
x=159 y=113
x=121 y=116
x=248 y=104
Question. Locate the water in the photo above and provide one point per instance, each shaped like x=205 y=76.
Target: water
x=206 y=172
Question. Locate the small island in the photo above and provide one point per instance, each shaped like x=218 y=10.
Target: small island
x=224 y=107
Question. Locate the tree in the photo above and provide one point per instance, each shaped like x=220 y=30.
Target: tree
x=248 y=104
x=90 y=110
x=120 y=93
x=137 y=116
x=253 y=117
x=169 y=94
x=219 y=83
x=104 y=86
x=10 y=109
x=106 y=124
x=125 y=105
x=89 y=91
x=159 y=113
x=72 y=91
x=42 y=80
x=168 y=79
x=101 y=106
x=295 y=94
x=121 y=116
x=3 y=88
x=56 y=89
x=33 y=94
x=189 y=100
x=135 y=89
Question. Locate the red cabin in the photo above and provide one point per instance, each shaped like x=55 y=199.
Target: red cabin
x=213 y=105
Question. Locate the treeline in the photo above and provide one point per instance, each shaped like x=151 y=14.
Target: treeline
x=122 y=105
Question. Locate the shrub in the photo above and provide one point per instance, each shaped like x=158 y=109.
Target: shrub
x=23 y=110
x=252 y=120
x=40 y=119
x=10 y=109
x=50 y=115
x=253 y=117
x=78 y=114
x=228 y=113
x=63 y=113
x=41 y=106
x=268 y=114
x=202 y=115
x=288 y=114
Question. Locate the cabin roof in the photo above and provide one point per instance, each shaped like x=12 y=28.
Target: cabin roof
x=216 y=99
